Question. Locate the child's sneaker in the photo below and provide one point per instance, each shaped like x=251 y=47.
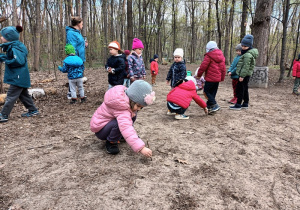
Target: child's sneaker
x=244 y=106
x=30 y=113
x=215 y=108
x=181 y=117
x=170 y=113
x=73 y=101
x=112 y=148
x=83 y=100
x=236 y=107
x=295 y=93
x=3 y=118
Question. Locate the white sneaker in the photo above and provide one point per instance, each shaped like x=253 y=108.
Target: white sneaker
x=69 y=96
x=181 y=117
x=170 y=113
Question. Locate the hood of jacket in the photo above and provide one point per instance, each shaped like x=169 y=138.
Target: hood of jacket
x=70 y=28
x=14 y=44
x=116 y=98
x=253 y=52
x=189 y=85
x=216 y=55
x=73 y=60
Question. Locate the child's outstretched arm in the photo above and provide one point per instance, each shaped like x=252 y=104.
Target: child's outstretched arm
x=204 y=65
x=63 y=69
x=200 y=102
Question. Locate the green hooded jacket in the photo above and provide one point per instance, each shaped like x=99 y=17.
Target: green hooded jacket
x=246 y=63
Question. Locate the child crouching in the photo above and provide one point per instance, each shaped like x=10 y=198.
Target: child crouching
x=73 y=65
x=179 y=98
x=116 y=115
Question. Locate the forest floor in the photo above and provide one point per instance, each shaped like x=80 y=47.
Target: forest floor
x=245 y=159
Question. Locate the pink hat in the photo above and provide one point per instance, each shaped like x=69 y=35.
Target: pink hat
x=137 y=44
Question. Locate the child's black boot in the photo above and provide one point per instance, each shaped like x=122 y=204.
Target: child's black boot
x=3 y=118
x=112 y=148
x=73 y=101
x=83 y=99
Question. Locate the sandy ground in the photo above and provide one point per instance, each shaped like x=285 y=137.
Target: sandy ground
x=245 y=159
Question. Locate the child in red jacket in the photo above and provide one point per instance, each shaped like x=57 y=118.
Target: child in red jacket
x=296 y=75
x=179 y=98
x=154 y=69
x=214 y=68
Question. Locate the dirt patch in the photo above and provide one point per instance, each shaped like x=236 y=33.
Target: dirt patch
x=245 y=159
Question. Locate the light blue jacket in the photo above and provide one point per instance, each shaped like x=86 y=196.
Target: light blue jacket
x=233 y=66
x=16 y=68
x=73 y=65
x=74 y=37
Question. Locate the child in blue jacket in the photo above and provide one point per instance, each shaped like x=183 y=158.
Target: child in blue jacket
x=73 y=65
x=177 y=71
x=16 y=72
x=232 y=72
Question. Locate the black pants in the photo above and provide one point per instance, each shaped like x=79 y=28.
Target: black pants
x=242 y=91
x=13 y=93
x=210 y=90
x=177 y=111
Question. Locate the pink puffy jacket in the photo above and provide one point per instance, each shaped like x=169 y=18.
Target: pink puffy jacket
x=116 y=106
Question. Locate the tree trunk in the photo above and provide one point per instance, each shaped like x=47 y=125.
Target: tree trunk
x=112 y=29
x=193 y=46
x=174 y=24
x=246 y=4
x=14 y=13
x=231 y=28
x=36 y=61
x=284 y=36
x=218 y=25
x=104 y=8
x=129 y=24
x=84 y=17
x=261 y=29
x=209 y=21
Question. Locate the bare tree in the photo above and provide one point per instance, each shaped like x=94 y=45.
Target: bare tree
x=246 y=4
x=36 y=61
x=129 y=24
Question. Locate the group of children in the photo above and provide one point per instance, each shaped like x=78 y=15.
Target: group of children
x=128 y=93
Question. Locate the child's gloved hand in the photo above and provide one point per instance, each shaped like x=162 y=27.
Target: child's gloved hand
x=60 y=68
x=3 y=57
x=146 y=152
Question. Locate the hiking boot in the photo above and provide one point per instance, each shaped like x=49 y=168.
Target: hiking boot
x=73 y=101
x=295 y=93
x=30 y=113
x=3 y=118
x=112 y=148
x=181 y=117
x=245 y=106
x=233 y=101
x=83 y=100
x=215 y=108
x=170 y=113
x=236 y=107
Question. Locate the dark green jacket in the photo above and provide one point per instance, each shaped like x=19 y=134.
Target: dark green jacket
x=246 y=63
x=16 y=69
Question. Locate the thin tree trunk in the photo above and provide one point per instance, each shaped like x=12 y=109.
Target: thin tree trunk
x=284 y=34
x=14 y=13
x=231 y=26
x=129 y=24
x=36 y=61
x=218 y=24
x=244 y=18
x=174 y=24
x=84 y=17
x=209 y=21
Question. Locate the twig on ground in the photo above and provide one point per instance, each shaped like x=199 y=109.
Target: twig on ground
x=47 y=145
x=149 y=148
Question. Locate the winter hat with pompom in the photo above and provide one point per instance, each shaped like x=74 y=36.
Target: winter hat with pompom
x=136 y=44
x=11 y=33
x=247 y=40
x=115 y=45
x=141 y=92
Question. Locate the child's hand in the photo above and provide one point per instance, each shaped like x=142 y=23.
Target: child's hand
x=168 y=82
x=294 y=78
x=144 y=76
x=229 y=73
x=206 y=110
x=132 y=79
x=241 y=79
x=146 y=152
x=109 y=70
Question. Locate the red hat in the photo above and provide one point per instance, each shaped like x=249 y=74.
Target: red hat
x=115 y=45
x=127 y=52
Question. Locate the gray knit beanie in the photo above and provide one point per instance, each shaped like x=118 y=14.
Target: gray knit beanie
x=238 y=47
x=247 y=40
x=141 y=92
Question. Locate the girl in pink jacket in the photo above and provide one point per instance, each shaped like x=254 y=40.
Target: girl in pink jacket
x=116 y=115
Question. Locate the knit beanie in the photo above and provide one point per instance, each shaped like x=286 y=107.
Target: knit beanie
x=141 y=92
x=178 y=52
x=69 y=49
x=137 y=44
x=191 y=78
x=211 y=45
x=238 y=47
x=114 y=45
x=247 y=40
x=11 y=33
x=126 y=52
x=155 y=56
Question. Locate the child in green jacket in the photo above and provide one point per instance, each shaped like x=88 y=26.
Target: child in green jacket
x=16 y=72
x=244 y=70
